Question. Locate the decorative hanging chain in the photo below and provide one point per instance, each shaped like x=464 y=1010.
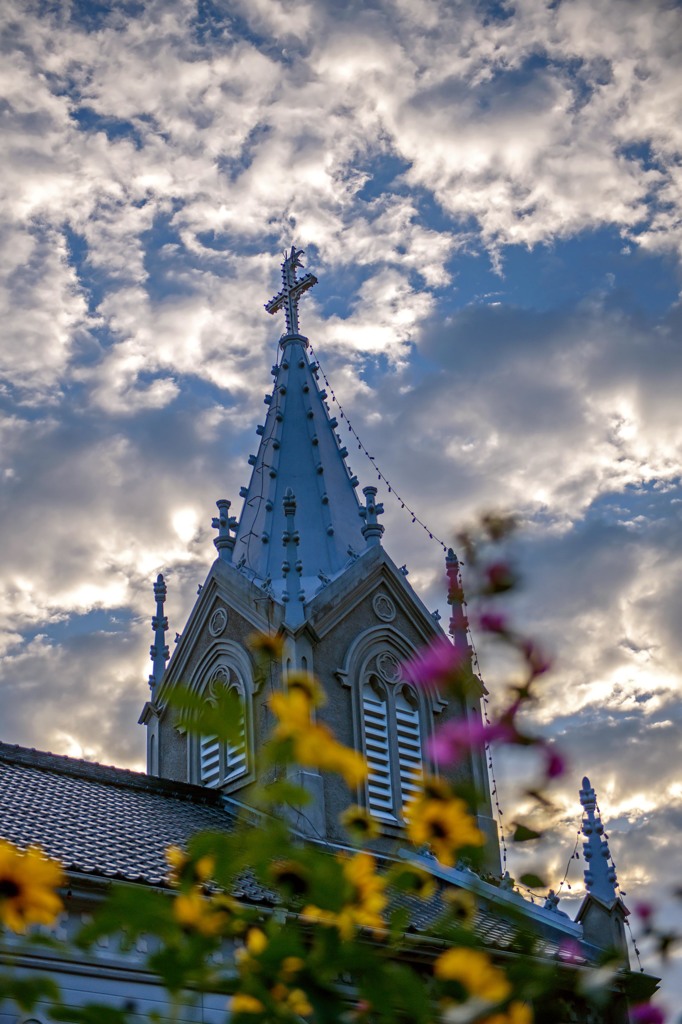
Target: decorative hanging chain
x=371 y=458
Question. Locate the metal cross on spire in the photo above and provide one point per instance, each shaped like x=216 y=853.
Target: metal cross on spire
x=292 y=289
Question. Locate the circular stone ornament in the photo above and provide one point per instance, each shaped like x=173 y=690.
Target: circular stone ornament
x=218 y=622
x=388 y=667
x=384 y=608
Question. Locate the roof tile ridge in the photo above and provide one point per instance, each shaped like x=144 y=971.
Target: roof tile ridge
x=94 y=771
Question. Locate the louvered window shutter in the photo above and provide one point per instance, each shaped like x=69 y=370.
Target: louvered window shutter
x=377 y=752
x=409 y=745
x=236 y=750
x=209 y=761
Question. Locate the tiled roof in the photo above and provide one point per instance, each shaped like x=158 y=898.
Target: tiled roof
x=116 y=823
x=98 y=819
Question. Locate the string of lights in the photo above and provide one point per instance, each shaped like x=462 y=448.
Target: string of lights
x=372 y=459
x=432 y=536
x=574 y=856
x=623 y=893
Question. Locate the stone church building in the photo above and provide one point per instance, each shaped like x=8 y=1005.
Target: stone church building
x=305 y=559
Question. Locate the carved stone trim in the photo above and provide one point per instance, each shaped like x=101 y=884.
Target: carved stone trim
x=218 y=622
x=389 y=667
x=384 y=608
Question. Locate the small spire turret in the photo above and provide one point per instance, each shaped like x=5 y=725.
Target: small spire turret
x=373 y=530
x=159 y=652
x=225 y=524
x=600 y=873
x=293 y=596
x=458 y=620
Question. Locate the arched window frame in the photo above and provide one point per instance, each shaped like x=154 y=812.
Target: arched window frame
x=373 y=660
x=225 y=664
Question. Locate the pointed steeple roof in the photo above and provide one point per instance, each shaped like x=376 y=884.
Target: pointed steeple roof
x=300 y=452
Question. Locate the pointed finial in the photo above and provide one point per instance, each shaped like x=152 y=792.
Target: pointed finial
x=600 y=873
x=372 y=530
x=225 y=524
x=293 y=596
x=159 y=652
x=288 y=298
x=458 y=620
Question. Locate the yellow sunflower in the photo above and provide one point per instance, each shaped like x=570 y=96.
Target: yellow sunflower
x=265 y=644
x=28 y=880
x=308 y=684
x=359 y=823
x=475 y=971
x=445 y=825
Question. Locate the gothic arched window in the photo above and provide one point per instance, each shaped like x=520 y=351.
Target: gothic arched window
x=224 y=762
x=213 y=762
x=392 y=720
x=392 y=741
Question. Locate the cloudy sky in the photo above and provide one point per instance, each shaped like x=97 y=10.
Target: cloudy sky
x=491 y=196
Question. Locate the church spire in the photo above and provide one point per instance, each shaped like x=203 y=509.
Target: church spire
x=300 y=450
x=600 y=874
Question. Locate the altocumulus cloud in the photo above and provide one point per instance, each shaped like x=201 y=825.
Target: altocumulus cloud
x=490 y=195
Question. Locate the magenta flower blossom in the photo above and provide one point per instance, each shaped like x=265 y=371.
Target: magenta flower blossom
x=500 y=578
x=435 y=665
x=644 y=911
x=538 y=662
x=554 y=763
x=645 y=1013
x=455 y=739
x=570 y=952
x=493 y=622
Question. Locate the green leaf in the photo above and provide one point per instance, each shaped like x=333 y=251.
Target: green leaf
x=220 y=717
x=533 y=881
x=91 y=1013
x=523 y=834
x=130 y=911
x=286 y=792
x=26 y=991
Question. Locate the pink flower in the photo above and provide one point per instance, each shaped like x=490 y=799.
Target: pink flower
x=437 y=664
x=493 y=622
x=455 y=739
x=570 y=951
x=554 y=763
x=500 y=578
x=644 y=911
x=645 y=1013
x=538 y=662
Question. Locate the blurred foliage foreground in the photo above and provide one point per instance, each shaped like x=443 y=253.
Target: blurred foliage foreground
x=335 y=945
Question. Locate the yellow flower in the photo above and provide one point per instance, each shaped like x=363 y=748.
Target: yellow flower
x=292 y=711
x=291 y=876
x=516 y=1013
x=263 y=643
x=462 y=905
x=183 y=869
x=314 y=745
x=199 y=913
x=413 y=879
x=290 y=966
x=242 y=1002
x=317 y=748
x=475 y=971
x=360 y=822
x=256 y=941
x=28 y=880
x=298 y=1002
x=307 y=684
x=366 y=902
x=445 y=824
